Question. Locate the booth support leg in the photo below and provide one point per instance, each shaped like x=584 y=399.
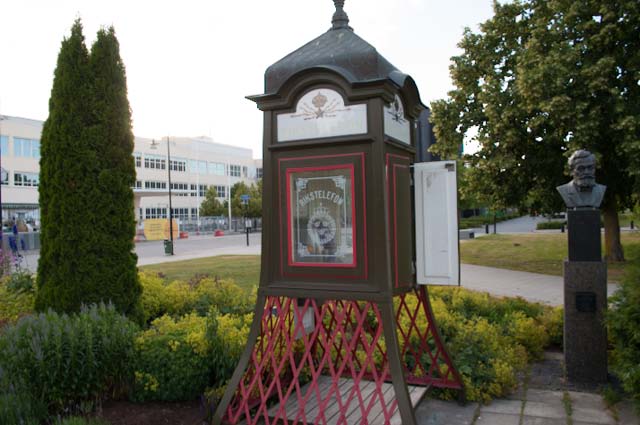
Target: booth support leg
x=244 y=361
x=405 y=407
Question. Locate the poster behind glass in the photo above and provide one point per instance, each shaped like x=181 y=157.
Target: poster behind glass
x=321 y=217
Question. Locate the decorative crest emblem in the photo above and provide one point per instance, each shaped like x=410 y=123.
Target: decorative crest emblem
x=397 y=111
x=321 y=227
x=323 y=107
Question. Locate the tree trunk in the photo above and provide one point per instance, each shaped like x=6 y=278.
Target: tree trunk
x=612 y=245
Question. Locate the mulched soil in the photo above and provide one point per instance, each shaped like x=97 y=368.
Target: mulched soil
x=126 y=413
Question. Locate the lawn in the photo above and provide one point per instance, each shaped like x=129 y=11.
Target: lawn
x=243 y=269
x=537 y=252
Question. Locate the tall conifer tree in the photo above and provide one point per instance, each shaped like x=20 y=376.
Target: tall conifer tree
x=67 y=165
x=87 y=171
x=116 y=263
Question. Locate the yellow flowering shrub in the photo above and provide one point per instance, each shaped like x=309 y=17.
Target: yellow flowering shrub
x=490 y=339
x=172 y=359
x=179 y=298
x=14 y=305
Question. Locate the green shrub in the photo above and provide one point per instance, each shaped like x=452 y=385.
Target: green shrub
x=179 y=298
x=490 y=339
x=78 y=420
x=177 y=359
x=14 y=305
x=227 y=335
x=17 y=407
x=172 y=360
x=68 y=362
x=623 y=320
x=553 y=321
x=547 y=225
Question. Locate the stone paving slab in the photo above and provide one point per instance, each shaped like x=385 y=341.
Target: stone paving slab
x=501 y=406
x=543 y=396
x=554 y=410
x=531 y=420
x=627 y=414
x=438 y=412
x=497 y=419
x=591 y=415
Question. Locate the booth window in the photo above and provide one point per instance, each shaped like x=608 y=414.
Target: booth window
x=321 y=216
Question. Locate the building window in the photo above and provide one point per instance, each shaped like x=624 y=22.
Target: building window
x=258 y=173
x=155 y=185
x=138 y=159
x=155 y=162
x=221 y=191
x=26 y=179
x=179 y=186
x=180 y=213
x=4 y=146
x=193 y=190
x=245 y=171
x=155 y=213
x=234 y=170
x=194 y=213
x=5 y=178
x=202 y=190
x=216 y=168
x=27 y=148
x=178 y=165
x=137 y=184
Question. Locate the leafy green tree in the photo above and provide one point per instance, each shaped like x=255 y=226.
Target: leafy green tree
x=211 y=205
x=67 y=190
x=254 y=208
x=87 y=171
x=115 y=276
x=540 y=80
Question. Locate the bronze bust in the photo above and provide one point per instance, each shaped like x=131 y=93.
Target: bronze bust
x=582 y=191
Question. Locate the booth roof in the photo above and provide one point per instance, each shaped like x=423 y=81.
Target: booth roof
x=339 y=49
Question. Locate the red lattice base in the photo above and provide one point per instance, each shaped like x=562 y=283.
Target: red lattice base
x=335 y=369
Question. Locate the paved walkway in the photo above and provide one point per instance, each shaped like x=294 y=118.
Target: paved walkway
x=543 y=398
x=537 y=287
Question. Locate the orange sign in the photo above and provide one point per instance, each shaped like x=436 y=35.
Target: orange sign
x=156 y=229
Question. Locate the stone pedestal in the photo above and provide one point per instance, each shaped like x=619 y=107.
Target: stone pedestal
x=584 y=234
x=585 y=336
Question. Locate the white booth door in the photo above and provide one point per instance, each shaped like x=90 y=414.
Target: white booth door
x=436 y=204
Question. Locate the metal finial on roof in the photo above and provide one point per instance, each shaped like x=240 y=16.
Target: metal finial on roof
x=340 y=19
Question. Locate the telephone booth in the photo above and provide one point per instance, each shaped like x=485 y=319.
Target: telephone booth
x=341 y=332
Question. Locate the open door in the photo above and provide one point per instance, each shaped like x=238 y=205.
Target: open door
x=437 y=240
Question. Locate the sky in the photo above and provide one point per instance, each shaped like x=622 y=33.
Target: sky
x=191 y=63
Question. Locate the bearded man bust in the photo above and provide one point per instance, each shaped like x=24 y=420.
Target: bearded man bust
x=582 y=191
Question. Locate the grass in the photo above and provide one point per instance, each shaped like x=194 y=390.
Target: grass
x=537 y=253
x=243 y=269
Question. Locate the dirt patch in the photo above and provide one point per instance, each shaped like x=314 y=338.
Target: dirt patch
x=127 y=413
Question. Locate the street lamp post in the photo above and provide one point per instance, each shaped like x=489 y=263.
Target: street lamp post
x=154 y=145
x=2 y=176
